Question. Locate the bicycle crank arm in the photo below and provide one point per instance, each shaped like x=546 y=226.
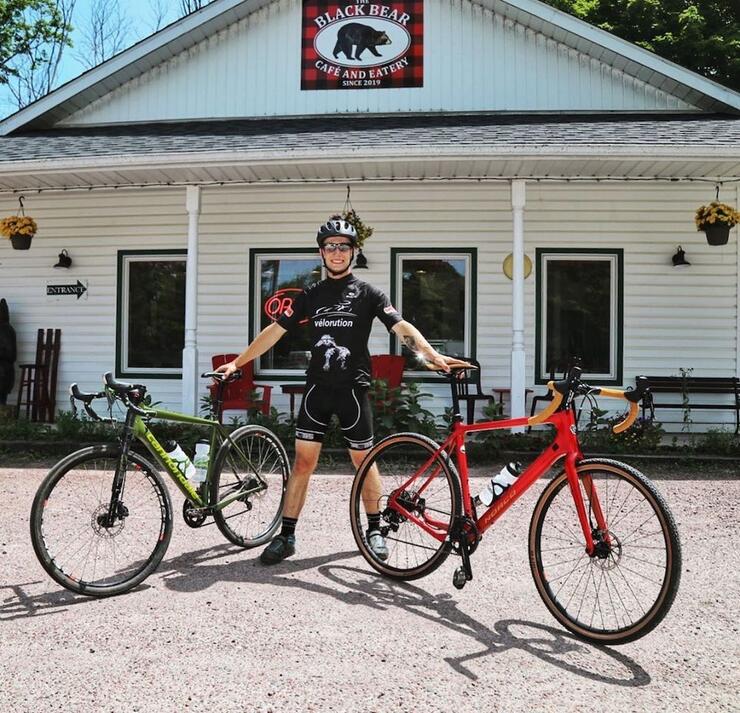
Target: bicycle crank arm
x=461 y=546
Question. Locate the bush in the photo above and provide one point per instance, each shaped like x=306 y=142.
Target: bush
x=718 y=442
x=643 y=436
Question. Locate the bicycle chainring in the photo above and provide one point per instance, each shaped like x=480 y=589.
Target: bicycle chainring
x=194 y=517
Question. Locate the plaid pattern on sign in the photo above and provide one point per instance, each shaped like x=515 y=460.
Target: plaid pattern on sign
x=329 y=71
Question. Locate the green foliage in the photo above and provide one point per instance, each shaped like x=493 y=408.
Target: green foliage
x=719 y=442
x=643 y=436
x=26 y=26
x=702 y=35
x=399 y=409
x=685 y=403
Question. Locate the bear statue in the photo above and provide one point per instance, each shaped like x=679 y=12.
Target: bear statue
x=7 y=353
x=363 y=37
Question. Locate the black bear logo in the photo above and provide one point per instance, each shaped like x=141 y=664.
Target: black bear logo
x=363 y=37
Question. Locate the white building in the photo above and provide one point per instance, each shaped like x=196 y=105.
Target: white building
x=213 y=149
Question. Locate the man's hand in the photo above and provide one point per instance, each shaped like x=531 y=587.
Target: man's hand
x=447 y=363
x=227 y=369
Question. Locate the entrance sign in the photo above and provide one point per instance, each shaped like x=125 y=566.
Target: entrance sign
x=60 y=290
x=371 y=44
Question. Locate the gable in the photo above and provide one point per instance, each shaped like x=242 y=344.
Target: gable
x=475 y=59
x=242 y=59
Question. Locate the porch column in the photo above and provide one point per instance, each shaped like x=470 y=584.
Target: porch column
x=518 y=198
x=190 y=352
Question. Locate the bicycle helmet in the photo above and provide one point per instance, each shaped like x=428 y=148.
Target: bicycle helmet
x=336 y=226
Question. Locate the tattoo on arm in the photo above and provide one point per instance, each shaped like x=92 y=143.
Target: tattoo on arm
x=410 y=343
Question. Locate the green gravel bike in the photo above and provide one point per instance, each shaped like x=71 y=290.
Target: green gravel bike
x=101 y=520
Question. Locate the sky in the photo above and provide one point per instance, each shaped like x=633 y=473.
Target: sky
x=141 y=16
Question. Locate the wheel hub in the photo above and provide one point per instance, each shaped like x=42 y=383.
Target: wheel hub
x=607 y=549
x=105 y=526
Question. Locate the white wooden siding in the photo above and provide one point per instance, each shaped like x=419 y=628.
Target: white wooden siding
x=672 y=318
x=474 y=60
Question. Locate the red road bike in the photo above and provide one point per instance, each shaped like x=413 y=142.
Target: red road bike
x=603 y=545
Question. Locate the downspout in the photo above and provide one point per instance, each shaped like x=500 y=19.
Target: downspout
x=518 y=361
x=190 y=351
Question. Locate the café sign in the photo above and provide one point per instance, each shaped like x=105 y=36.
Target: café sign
x=365 y=45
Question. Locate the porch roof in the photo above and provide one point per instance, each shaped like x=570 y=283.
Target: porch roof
x=342 y=148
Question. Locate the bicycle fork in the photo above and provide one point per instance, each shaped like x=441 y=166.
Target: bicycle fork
x=116 y=509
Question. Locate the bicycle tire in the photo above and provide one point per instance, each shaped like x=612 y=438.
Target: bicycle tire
x=407 y=542
x=644 y=551
x=68 y=507
x=252 y=456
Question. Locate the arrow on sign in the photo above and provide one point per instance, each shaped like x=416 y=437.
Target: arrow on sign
x=79 y=289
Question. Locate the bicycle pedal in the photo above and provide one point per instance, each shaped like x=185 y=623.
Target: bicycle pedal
x=459 y=578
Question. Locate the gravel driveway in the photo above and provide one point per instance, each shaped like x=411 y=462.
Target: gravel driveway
x=213 y=630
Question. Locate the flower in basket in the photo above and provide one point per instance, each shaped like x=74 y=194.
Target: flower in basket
x=18 y=225
x=716 y=214
x=363 y=231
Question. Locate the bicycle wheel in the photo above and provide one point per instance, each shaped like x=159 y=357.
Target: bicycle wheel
x=254 y=463
x=628 y=586
x=71 y=537
x=409 y=480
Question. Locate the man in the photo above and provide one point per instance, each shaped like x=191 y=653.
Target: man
x=340 y=310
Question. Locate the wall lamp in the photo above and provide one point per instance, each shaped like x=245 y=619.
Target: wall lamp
x=64 y=260
x=679 y=259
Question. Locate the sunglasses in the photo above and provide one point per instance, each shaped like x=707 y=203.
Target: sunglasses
x=332 y=247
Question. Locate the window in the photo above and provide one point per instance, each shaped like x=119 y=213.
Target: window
x=277 y=277
x=150 y=329
x=579 y=313
x=435 y=291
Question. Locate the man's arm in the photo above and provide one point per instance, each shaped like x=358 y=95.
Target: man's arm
x=265 y=340
x=415 y=342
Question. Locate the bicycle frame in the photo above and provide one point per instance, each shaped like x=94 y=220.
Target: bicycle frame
x=564 y=446
x=136 y=425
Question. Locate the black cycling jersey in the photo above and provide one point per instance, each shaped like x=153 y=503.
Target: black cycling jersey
x=340 y=314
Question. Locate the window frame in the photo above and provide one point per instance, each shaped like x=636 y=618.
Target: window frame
x=122 y=310
x=616 y=357
x=254 y=304
x=470 y=254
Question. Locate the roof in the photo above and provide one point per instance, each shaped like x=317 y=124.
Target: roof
x=396 y=146
x=196 y=27
x=441 y=131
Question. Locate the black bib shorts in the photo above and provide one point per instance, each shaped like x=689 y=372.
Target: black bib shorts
x=351 y=405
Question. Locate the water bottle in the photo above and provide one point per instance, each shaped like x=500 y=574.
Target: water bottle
x=200 y=461
x=177 y=454
x=497 y=485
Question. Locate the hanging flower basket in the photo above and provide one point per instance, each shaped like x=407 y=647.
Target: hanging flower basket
x=716 y=220
x=363 y=231
x=21 y=242
x=20 y=229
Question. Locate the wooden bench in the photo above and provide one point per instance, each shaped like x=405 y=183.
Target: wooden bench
x=691 y=386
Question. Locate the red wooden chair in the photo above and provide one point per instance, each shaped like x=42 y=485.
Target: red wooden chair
x=388 y=367
x=239 y=394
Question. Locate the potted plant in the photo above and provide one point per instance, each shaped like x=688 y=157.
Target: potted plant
x=20 y=229
x=716 y=220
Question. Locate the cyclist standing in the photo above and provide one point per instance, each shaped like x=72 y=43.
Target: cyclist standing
x=340 y=310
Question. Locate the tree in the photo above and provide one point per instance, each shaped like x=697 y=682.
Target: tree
x=35 y=71
x=158 y=12
x=188 y=6
x=33 y=33
x=105 y=33
x=702 y=35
